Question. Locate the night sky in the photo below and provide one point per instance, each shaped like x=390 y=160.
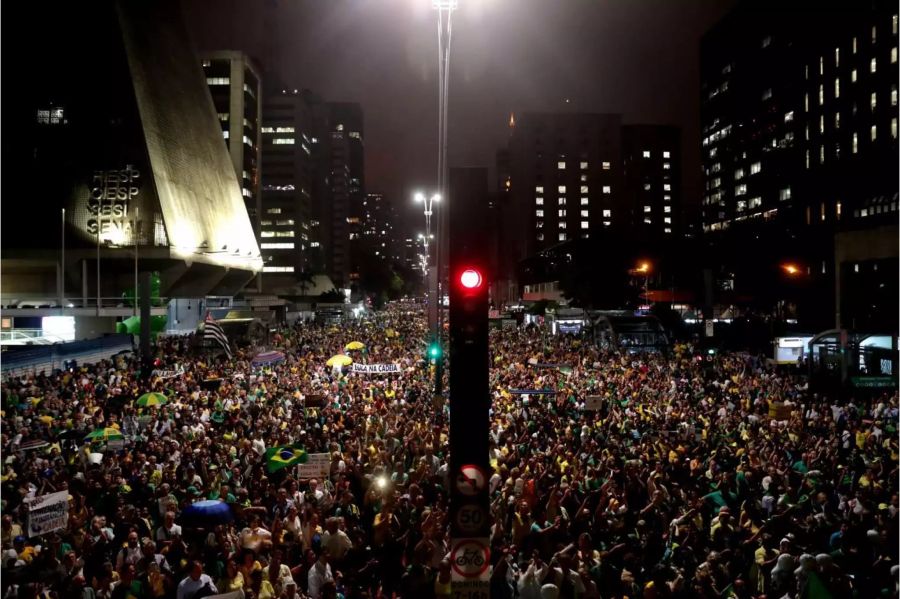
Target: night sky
x=635 y=57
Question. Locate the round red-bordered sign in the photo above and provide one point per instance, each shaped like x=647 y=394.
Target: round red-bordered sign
x=470 y=558
x=471 y=480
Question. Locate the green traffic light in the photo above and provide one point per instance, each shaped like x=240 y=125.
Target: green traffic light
x=434 y=351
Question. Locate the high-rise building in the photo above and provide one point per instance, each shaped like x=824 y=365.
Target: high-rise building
x=569 y=177
x=377 y=227
x=344 y=164
x=799 y=141
x=235 y=86
x=291 y=145
x=565 y=177
x=651 y=157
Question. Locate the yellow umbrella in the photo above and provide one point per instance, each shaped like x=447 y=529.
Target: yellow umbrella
x=340 y=359
x=354 y=345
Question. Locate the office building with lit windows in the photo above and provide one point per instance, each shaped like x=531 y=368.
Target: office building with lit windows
x=291 y=139
x=651 y=162
x=570 y=177
x=799 y=141
x=234 y=82
x=343 y=163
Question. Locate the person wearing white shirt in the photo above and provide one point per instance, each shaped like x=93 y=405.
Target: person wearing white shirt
x=319 y=574
x=194 y=582
x=336 y=540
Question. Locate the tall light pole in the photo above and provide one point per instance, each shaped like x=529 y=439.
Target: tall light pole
x=445 y=10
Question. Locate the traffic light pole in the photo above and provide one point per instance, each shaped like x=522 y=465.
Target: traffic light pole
x=469 y=397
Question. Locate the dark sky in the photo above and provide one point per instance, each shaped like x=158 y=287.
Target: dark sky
x=635 y=57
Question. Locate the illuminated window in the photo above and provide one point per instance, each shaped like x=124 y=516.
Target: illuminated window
x=894 y=95
x=837 y=57
x=267 y=233
x=225 y=134
x=666 y=166
x=755 y=168
x=873 y=65
x=647 y=208
x=561 y=165
x=278 y=269
x=821 y=123
x=273 y=210
x=607 y=214
x=561 y=189
x=740 y=189
x=805 y=102
x=585 y=213
x=646 y=153
x=821 y=154
x=788 y=116
x=284 y=233
x=784 y=194
x=606 y=223
x=821 y=65
x=821 y=94
x=837 y=210
x=667 y=154
x=646 y=187
x=854 y=45
x=562 y=225
x=539 y=224
x=853 y=76
x=584 y=165
x=584 y=189
x=283 y=141
x=539 y=189
x=872 y=133
x=648 y=221
x=540 y=237
x=584 y=224
x=667 y=209
x=767 y=94
x=667 y=220
x=837 y=87
x=277 y=246
x=562 y=201
x=837 y=120
x=561 y=213
x=606 y=166
x=667 y=187
x=218 y=81
x=667 y=230
x=894 y=24
x=539 y=213
x=539 y=201
x=584 y=201
x=894 y=127
x=667 y=198
x=739 y=174
x=562 y=237
x=893 y=55
x=874 y=30
x=607 y=189
x=855 y=146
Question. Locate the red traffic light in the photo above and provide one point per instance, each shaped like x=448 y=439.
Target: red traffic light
x=470 y=278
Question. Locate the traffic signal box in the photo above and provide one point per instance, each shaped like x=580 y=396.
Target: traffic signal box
x=469 y=392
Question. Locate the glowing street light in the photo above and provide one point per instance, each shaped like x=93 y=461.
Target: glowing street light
x=791 y=269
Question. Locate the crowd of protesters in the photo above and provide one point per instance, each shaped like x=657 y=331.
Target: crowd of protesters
x=630 y=475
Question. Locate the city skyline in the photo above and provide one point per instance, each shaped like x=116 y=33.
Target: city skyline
x=535 y=62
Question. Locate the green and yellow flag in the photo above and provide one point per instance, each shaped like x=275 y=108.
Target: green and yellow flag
x=285 y=456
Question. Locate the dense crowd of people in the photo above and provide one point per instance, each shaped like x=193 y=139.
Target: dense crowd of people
x=630 y=475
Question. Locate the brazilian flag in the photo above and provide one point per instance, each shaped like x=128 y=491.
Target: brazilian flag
x=285 y=456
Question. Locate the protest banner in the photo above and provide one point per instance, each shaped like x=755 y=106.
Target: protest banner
x=592 y=403
x=317 y=466
x=375 y=368
x=48 y=513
